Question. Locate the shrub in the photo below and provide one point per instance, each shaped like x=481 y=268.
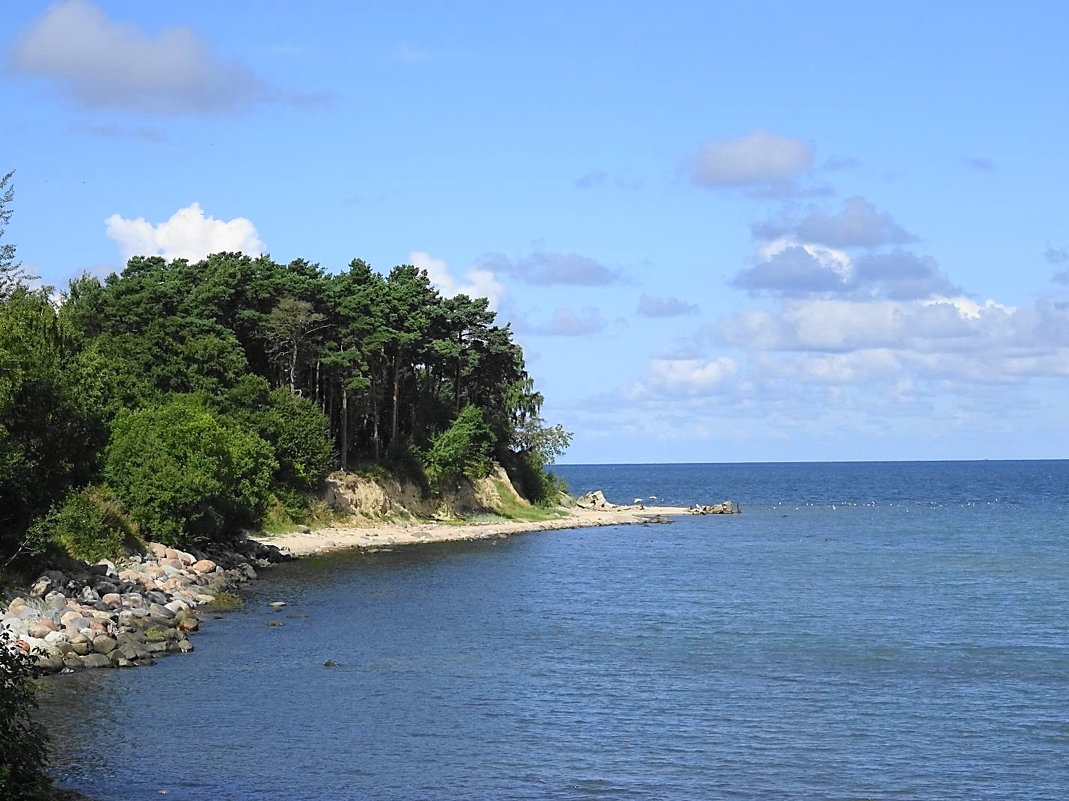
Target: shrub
x=463 y=449
x=534 y=482
x=23 y=742
x=184 y=471
x=90 y=524
x=300 y=435
x=296 y=429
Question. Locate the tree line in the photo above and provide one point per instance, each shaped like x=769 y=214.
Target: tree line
x=178 y=400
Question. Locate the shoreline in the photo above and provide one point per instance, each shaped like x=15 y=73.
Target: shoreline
x=385 y=535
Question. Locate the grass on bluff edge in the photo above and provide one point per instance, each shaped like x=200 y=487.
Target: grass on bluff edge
x=283 y=519
x=511 y=509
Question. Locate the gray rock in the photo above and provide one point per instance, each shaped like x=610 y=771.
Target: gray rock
x=50 y=662
x=104 y=644
x=77 y=623
x=160 y=611
x=96 y=661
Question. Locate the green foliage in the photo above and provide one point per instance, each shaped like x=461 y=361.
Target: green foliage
x=463 y=449
x=90 y=524
x=24 y=743
x=531 y=478
x=355 y=368
x=298 y=431
x=51 y=429
x=12 y=276
x=185 y=471
x=517 y=510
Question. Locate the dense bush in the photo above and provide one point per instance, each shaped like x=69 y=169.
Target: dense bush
x=185 y=471
x=50 y=431
x=463 y=449
x=90 y=524
x=298 y=432
x=23 y=743
x=531 y=478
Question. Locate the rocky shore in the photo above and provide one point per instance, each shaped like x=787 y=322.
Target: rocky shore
x=128 y=613
x=132 y=612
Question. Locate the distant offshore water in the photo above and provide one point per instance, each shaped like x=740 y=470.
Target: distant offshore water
x=861 y=631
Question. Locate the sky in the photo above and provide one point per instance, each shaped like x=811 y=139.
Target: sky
x=722 y=232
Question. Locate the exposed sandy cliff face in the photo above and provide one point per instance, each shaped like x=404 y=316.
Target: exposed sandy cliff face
x=377 y=498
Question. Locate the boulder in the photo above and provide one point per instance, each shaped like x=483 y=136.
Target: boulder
x=188 y=623
x=203 y=566
x=104 y=644
x=594 y=500
x=40 y=587
x=96 y=661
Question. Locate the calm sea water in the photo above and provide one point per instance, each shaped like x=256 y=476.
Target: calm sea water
x=861 y=631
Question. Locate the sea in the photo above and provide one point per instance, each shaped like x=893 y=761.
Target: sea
x=860 y=631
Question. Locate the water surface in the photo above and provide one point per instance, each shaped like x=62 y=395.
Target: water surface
x=887 y=631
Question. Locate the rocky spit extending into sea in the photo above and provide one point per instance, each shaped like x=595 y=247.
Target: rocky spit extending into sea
x=127 y=613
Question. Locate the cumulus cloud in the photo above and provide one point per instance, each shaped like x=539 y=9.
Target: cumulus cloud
x=650 y=306
x=476 y=283
x=689 y=377
x=794 y=270
x=551 y=268
x=567 y=323
x=901 y=275
x=789 y=269
x=103 y=64
x=758 y=158
x=857 y=224
x=188 y=234
x=953 y=337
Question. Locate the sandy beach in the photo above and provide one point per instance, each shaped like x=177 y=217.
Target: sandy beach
x=388 y=535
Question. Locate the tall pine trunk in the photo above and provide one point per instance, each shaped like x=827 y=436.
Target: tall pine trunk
x=396 y=399
x=344 y=429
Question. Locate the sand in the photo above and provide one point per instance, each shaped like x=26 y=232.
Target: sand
x=389 y=535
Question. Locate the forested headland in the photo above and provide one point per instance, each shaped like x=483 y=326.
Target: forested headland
x=179 y=401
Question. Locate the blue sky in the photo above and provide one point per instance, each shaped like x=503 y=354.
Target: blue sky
x=722 y=232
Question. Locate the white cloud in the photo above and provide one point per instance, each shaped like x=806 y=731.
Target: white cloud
x=688 y=377
x=478 y=282
x=188 y=234
x=949 y=339
x=758 y=158
x=787 y=267
x=858 y=224
x=103 y=64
